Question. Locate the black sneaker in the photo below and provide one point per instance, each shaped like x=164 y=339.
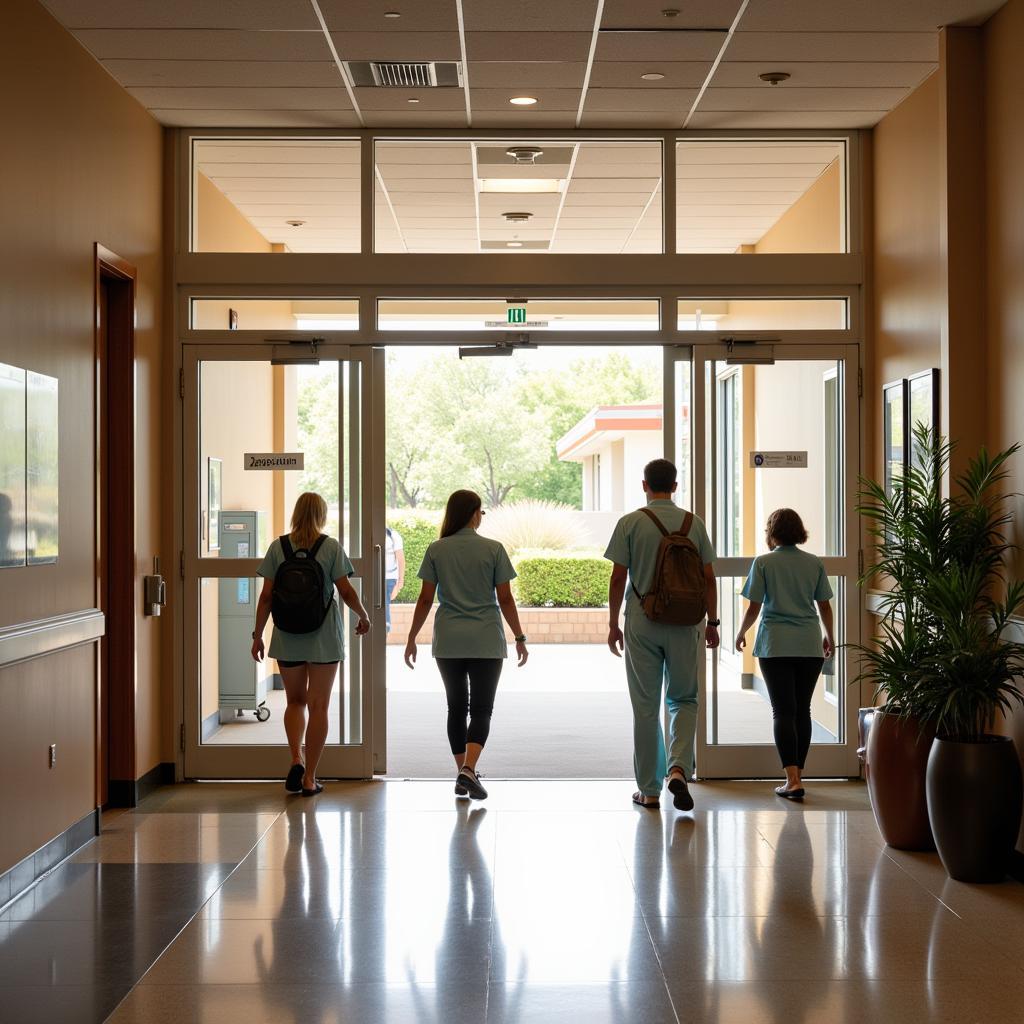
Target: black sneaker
x=460 y=789
x=470 y=781
x=293 y=783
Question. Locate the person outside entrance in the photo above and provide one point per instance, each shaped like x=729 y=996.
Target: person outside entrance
x=394 y=570
x=659 y=653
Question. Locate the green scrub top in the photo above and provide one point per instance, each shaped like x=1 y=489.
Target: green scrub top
x=328 y=642
x=467 y=568
x=635 y=542
x=787 y=582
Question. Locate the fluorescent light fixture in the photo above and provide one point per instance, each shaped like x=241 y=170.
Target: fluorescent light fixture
x=523 y=101
x=514 y=245
x=524 y=186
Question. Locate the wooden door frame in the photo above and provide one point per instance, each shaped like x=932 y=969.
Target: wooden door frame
x=115 y=563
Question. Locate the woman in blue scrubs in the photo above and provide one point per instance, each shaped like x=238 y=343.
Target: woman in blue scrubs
x=787 y=584
x=471 y=576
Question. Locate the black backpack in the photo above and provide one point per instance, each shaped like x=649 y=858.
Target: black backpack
x=297 y=603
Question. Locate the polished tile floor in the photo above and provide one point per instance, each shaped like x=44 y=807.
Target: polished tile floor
x=393 y=902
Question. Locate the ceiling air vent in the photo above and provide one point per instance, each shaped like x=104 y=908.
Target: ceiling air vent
x=412 y=74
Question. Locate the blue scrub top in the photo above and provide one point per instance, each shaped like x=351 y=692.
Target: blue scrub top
x=328 y=642
x=467 y=568
x=635 y=542
x=788 y=582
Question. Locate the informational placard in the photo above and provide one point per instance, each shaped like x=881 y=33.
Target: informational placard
x=274 y=460
x=778 y=460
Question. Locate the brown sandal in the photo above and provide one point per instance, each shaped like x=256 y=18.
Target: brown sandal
x=641 y=801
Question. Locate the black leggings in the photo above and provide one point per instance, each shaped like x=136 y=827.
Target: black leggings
x=470 y=685
x=791 y=683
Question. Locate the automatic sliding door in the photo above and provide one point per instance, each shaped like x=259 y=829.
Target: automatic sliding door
x=803 y=402
x=260 y=431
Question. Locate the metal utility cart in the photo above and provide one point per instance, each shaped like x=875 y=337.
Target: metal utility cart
x=242 y=682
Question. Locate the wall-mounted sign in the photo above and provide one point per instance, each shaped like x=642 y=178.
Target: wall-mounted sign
x=778 y=460
x=516 y=314
x=274 y=460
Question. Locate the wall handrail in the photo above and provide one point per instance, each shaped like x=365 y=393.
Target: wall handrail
x=25 y=640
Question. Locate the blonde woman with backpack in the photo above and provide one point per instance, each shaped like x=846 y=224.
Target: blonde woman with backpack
x=301 y=572
x=664 y=554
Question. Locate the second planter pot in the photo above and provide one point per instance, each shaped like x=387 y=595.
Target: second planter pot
x=897 y=761
x=974 y=802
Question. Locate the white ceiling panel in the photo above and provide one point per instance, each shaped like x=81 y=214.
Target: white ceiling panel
x=709 y=152
x=196 y=44
x=297 y=156
x=398 y=99
x=829 y=74
x=256 y=119
x=866 y=15
x=660 y=46
x=516 y=76
x=648 y=14
x=209 y=98
x=514 y=118
x=397 y=45
x=810 y=119
x=547 y=99
x=520 y=16
x=623 y=119
x=255 y=15
x=675 y=101
x=497 y=46
x=624 y=74
x=834 y=46
x=425 y=119
x=786 y=98
x=224 y=73
x=368 y=16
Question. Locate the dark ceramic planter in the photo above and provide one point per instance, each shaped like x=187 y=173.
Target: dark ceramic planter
x=897 y=761
x=974 y=801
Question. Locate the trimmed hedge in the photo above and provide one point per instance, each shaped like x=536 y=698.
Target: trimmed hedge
x=554 y=580
x=418 y=530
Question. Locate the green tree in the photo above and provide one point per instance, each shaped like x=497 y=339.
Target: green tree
x=317 y=409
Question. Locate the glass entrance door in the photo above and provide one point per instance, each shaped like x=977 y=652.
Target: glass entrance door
x=263 y=423
x=772 y=427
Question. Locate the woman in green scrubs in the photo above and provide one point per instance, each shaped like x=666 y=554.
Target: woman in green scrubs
x=471 y=576
x=787 y=583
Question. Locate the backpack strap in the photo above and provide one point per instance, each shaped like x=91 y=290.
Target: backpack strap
x=286 y=546
x=317 y=544
x=657 y=522
x=684 y=530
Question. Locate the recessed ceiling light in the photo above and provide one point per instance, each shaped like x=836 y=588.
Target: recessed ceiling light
x=412 y=99
x=523 y=101
x=392 y=14
x=531 y=186
x=295 y=223
x=652 y=76
x=517 y=216
x=514 y=245
x=774 y=77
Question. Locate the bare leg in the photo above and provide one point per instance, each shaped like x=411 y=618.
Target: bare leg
x=318 y=697
x=472 y=755
x=793 y=780
x=460 y=760
x=295 y=712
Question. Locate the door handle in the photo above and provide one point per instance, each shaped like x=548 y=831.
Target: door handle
x=379 y=602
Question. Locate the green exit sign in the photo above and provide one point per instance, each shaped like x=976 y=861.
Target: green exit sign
x=516 y=314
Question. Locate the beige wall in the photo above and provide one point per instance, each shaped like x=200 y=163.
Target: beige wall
x=220 y=226
x=907 y=315
x=813 y=223
x=84 y=166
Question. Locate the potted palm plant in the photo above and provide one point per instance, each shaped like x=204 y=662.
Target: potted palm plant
x=968 y=680
x=911 y=541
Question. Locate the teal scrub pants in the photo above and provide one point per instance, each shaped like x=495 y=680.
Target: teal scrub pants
x=655 y=655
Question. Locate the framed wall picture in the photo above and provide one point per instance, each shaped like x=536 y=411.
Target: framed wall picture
x=214 y=475
x=895 y=409
x=922 y=409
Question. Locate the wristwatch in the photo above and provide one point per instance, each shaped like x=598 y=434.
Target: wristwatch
x=520 y=639
x=714 y=622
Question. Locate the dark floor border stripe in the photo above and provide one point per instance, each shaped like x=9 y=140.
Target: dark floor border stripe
x=128 y=792
x=26 y=872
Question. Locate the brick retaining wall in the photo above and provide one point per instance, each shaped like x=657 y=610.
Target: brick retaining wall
x=541 y=625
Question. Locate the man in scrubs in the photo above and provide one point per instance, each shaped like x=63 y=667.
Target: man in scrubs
x=658 y=653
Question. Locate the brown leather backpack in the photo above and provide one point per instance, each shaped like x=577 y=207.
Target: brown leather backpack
x=677 y=596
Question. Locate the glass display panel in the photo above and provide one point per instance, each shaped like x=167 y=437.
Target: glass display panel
x=762 y=314
x=492 y=196
x=12 y=466
x=502 y=315
x=272 y=195
x=43 y=473
x=274 y=314
x=760 y=196
x=242 y=701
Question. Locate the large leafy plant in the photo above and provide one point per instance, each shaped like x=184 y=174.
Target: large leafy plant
x=941 y=654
